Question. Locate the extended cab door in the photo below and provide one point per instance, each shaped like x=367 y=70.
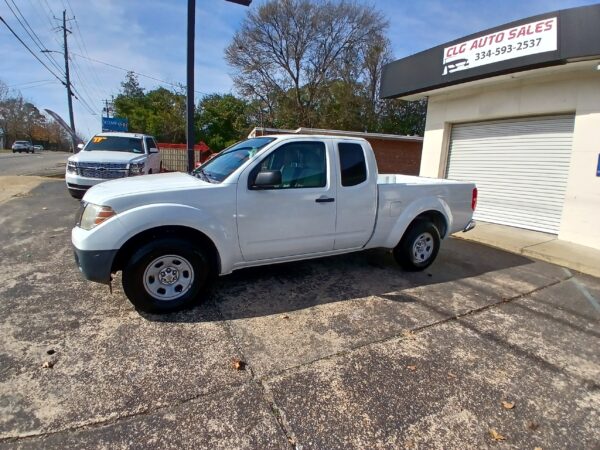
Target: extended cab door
x=356 y=194
x=296 y=217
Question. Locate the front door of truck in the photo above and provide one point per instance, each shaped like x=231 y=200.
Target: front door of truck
x=296 y=217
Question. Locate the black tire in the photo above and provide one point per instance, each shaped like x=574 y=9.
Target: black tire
x=141 y=275
x=419 y=246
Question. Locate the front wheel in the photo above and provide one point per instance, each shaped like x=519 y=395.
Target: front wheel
x=419 y=247
x=166 y=275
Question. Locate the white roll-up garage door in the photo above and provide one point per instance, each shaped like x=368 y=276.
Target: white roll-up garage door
x=520 y=167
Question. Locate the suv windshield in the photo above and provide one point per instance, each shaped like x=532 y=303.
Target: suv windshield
x=115 y=144
x=226 y=162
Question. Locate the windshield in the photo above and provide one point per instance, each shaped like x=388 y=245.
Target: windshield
x=115 y=144
x=21 y=142
x=226 y=162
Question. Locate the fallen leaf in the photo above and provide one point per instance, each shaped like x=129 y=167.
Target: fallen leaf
x=451 y=375
x=238 y=364
x=48 y=364
x=413 y=368
x=286 y=317
x=532 y=425
x=508 y=405
x=537 y=448
x=496 y=436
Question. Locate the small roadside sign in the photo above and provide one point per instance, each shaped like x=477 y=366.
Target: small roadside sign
x=114 y=124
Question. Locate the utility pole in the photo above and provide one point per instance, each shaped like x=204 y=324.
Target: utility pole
x=68 y=80
x=107 y=107
x=191 y=37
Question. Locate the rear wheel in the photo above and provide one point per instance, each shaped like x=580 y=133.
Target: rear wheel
x=419 y=246
x=167 y=275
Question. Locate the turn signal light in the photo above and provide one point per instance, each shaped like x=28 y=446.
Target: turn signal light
x=105 y=213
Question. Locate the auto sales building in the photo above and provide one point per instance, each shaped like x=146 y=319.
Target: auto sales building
x=516 y=109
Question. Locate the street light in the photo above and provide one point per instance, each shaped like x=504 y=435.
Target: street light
x=191 y=36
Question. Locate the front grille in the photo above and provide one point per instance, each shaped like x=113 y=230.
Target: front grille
x=104 y=171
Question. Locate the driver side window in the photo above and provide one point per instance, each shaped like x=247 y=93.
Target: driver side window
x=302 y=165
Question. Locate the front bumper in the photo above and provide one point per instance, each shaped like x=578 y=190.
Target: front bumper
x=95 y=264
x=80 y=183
x=469 y=226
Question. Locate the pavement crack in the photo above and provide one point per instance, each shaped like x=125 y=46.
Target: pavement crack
x=277 y=412
x=141 y=412
x=455 y=317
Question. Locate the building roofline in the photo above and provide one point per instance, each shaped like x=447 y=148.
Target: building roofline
x=324 y=132
x=577 y=38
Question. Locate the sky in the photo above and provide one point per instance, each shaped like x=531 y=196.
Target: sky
x=149 y=37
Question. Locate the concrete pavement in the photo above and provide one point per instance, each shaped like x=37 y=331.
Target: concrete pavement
x=536 y=245
x=344 y=352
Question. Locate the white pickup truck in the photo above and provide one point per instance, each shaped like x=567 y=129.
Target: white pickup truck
x=107 y=156
x=265 y=200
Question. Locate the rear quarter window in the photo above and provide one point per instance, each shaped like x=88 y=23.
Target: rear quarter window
x=352 y=163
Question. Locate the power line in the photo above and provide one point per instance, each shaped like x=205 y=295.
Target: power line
x=31 y=33
x=30 y=51
x=29 y=82
x=137 y=73
x=97 y=83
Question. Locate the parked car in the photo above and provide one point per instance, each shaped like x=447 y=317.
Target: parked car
x=38 y=148
x=265 y=200
x=22 y=146
x=111 y=155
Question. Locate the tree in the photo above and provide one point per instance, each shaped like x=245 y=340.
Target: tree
x=288 y=53
x=131 y=86
x=222 y=120
x=159 y=112
x=402 y=117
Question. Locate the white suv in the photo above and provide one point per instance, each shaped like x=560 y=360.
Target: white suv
x=107 y=156
x=22 y=146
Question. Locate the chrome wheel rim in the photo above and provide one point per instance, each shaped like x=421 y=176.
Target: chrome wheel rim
x=168 y=277
x=422 y=248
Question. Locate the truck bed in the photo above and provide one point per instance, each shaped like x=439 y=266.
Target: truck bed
x=393 y=178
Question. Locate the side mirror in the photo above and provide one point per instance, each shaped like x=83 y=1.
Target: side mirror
x=153 y=150
x=80 y=146
x=267 y=179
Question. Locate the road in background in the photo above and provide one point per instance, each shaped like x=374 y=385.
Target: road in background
x=46 y=164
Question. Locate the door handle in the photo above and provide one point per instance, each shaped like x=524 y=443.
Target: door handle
x=324 y=199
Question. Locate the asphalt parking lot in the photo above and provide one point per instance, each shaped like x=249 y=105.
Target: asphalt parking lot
x=345 y=352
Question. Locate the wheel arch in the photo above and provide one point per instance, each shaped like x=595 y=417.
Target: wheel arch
x=436 y=218
x=191 y=234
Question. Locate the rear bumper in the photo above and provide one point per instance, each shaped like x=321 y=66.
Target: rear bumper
x=95 y=264
x=469 y=226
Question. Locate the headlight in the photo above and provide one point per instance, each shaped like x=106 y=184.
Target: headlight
x=71 y=167
x=136 y=168
x=94 y=215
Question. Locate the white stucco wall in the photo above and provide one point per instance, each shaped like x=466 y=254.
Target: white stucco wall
x=565 y=90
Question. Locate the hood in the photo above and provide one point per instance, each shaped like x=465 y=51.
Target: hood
x=104 y=193
x=100 y=156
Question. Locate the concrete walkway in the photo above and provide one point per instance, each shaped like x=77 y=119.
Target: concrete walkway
x=543 y=246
